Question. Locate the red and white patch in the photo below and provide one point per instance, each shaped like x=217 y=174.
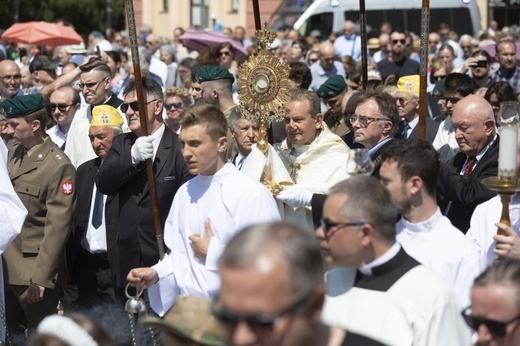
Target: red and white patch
x=67 y=188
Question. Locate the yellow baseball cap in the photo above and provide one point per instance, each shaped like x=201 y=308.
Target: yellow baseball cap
x=105 y=115
x=409 y=84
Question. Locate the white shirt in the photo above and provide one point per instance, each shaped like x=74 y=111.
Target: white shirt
x=57 y=136
x=482 y=226
x=443 y=249
x=95 y=240
x=231 y=201
x=446 y=135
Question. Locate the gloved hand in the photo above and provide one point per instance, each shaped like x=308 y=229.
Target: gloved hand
x=296 y=196
x=142 y=149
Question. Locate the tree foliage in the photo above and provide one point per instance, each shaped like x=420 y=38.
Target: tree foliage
x=85 y=15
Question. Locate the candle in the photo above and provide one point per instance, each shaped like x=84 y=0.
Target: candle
x=508 y=117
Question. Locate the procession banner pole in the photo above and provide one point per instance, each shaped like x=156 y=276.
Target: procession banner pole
x=423 y=101
x=256 y=12
x=129 y=8
x=363 y=29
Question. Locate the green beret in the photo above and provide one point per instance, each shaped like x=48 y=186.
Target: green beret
x=209 y=73
x=20 y=106
x=438 y=89
x=332 y=87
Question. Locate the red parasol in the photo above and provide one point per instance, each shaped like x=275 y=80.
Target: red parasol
x=42 y=33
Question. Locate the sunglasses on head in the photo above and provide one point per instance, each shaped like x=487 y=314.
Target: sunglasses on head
x=176 y=105
x=401 y=41
x=496 y=328
x=134 y=105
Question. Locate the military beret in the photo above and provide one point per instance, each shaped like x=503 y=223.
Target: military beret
x=209 y=73
x=438 y=89
x=41 y=62
x=332 y=87
x=23 y=105
x=190 y=318
x=105 y=115
x=409 y=84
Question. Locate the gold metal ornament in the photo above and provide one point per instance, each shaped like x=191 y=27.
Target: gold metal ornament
x=263 y=86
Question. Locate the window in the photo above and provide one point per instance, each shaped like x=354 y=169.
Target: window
x=235 y=6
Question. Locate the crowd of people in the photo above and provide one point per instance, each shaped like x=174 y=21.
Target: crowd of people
x=291 y=246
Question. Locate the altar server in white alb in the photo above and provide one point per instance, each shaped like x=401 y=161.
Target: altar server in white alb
x=206 y=212
x=410 y=171
x=484 y=223
x=12 y=216
x=382 y=294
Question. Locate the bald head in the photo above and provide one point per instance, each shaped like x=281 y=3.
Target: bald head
x=474 y=124
x=10 y=79
x=327 y=56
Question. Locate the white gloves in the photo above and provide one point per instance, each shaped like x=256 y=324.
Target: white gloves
x=142 y=149
x=295 y=196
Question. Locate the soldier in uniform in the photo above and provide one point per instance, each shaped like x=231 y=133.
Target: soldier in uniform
x=44 y=179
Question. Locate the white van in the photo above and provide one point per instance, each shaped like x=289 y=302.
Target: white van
x=329 y=16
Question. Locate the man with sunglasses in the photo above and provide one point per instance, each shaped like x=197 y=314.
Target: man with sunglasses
x=494 y=312
x=63 y=104
x=380 y=292
x=94 y=84
x=397 y=63
x=272 y=288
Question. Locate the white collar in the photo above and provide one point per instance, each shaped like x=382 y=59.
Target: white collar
x=423 y=226
x=387 y=256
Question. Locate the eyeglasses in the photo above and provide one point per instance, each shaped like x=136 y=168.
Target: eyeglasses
x=62 y=107
x=134 y=105
x=363 y=120
x=403 y=101
x=176 y=105
x=496 y=328
x=328 y=225
x=90 y=85
x=312 y=61
x=148 y=43
x=437 y=78
x=226 y=53
x=401 y=41
x=452 y=100
x=258 y=322
x=8 y=78
x=495 y=104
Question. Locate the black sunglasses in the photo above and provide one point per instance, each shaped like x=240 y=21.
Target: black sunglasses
x=495 y=327
x=312 y=61
x=494 y=104
x=176 y=105
x=328 y=225
x=401 y=41
x=61 y=107
x=134 y=105
x=259 y=322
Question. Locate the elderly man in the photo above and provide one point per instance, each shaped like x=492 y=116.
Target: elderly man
x=44 y=179
x=508 y=71
x=314 y=157
x=494 y=310
x=95 y=85
x=460 y=187
x=245 y=133
x=410 y=171
x=64 y=103
x=382 y=293
x=123 y=173
x=272 y=288
x=94 y=232
x=206 y=212
x=407 y=98
x=397 y=62
x=349 y=43
x=10 y=79
x=332 y=93
x=326 y=67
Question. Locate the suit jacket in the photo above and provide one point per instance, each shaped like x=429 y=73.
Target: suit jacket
x=136 y=242
x=465 y=193
x=86 y=178
x=45 y=183
x=431 y=130
x=376 y=157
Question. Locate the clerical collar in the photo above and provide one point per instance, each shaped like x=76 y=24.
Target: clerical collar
x=387 y=256
x=423 y=226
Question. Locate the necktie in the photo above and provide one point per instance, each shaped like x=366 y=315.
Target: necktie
x=404 y=132
x=97 y=215
x=241 y=162
x=469 y=165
